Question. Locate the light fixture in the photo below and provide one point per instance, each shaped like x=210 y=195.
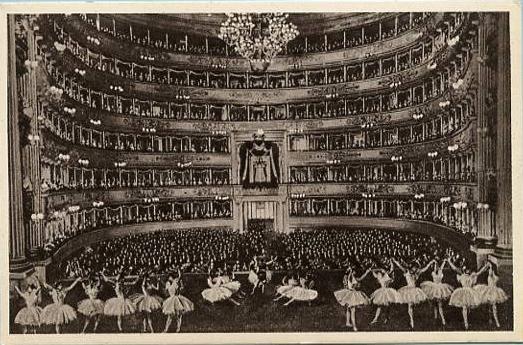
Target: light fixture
x=258 y=37
x=396 y=158
x=297 y=195
x=452 y=148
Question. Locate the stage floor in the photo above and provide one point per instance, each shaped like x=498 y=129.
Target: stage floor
x=259 y=313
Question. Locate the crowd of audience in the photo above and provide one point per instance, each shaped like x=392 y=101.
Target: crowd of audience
x=56 y=177
x=204 y=249
x=446 y=169
x=67 y=224
x=461 y=217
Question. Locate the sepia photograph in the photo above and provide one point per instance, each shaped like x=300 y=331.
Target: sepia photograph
x=231 y=171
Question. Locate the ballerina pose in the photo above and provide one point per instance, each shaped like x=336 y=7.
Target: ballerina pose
x=92 y=307
x=384 y=296
x=120 y=305
x=58 y=313
x=146 y=302
x=302 y=292
x=176 y=305
x=257 y=276
x=228 y=282
x=351 y=297
x=465 y=297
x=216 y=291
x=437 y=291
x=410 y=294
x=29 y=317
x=491 y=294
x=289 y=281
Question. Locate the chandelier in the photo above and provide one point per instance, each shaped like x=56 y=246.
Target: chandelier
x=258 y=37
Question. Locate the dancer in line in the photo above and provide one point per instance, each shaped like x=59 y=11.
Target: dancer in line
x=491 y=294
x=58 y=313
x=410 y=294
x=92 y=307
x=147 y=302
x=465 y=297
x=384 y=296
x=437 y=291
x=29 y=317
x=176 y=305
x=351 y=297
x=216 y=291
x=119 y=306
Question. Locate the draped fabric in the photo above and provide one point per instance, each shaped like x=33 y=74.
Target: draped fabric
x=259 y=164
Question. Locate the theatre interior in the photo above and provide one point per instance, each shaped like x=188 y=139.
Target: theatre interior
x=261 y=148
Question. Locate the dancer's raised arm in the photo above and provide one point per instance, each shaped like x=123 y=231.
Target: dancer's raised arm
x=107 y=279
x=483 y=269
x=399 y=266
x=22 y=294
x=363 y=275
x=442 y=265
x=426 y=267
x=454 y=268
x=70 y=287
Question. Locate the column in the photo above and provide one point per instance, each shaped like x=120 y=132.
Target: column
x=503 y=251
x=486 y=236
x=17 y=239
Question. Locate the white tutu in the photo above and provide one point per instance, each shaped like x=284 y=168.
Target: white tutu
x=412 y=295
x=29 y=316
x=58 y=314
x=253 y=278
x=284 y=288
x=490 y=294
x=234 y=286
x=216 y=294
x=91 y=307
x=351 y=298
x=268 y=275
x=177 y=304
x=147 y=303
x=464 y=297
x=437 y=291
x=385 y=296
x=301 y=294
x=118 y=306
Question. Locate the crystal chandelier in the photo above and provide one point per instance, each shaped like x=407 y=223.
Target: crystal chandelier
x=258 y=37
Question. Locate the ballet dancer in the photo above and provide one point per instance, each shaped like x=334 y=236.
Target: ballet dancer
x=350 y=297
x=288 y=282
x=146 y=302
x=410 y=294
x=29 y=317
x=257 y=276
x=92 y=307
x=302 y=292
x=465 y=297
x=491 y=294
x=227 y=277
x=437 y=291
x=58 y=313
x=176 y=305
x=384 y=296
x=118 y=306
x=216 y=291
